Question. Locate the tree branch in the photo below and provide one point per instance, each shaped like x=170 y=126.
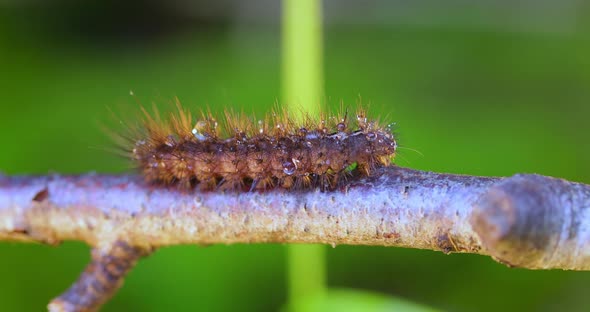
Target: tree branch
x=527 y=221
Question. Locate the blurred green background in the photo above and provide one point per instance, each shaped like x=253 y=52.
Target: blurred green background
x=492 y=88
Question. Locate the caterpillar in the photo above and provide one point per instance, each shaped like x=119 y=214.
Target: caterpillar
x=249 y=154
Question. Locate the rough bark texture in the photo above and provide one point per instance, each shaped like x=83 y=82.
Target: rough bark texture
x=528 y=221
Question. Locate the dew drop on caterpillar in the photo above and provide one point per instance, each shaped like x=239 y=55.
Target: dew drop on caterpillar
x=241 y=153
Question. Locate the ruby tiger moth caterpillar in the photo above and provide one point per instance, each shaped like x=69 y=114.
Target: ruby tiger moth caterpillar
x=249 y=154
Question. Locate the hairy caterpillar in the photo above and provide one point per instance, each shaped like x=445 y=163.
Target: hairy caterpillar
x=249 y=154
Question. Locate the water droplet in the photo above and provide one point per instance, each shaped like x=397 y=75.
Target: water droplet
x=309 y=144
x=371 y=136
x=201 y=125
x=289 y=168
x=198 y=136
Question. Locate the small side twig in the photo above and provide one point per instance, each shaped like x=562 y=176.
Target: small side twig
x=528 y=221
x=100 y=280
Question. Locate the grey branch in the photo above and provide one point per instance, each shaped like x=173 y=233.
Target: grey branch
x=528 y=221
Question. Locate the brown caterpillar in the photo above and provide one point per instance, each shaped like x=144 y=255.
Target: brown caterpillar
x=246 y=155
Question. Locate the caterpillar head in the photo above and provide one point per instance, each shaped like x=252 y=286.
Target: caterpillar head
x=383 y=145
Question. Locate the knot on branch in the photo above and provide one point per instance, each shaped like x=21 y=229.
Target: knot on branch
x=529 y=221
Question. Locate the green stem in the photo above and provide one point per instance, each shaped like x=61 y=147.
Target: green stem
x=302 y=78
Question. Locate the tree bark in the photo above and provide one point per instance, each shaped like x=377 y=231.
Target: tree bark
x=528 y=221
